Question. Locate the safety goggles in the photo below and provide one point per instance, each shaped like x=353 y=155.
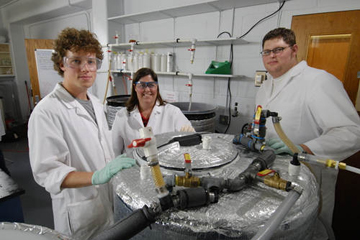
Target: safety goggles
x=143 y=85
x=93 y=64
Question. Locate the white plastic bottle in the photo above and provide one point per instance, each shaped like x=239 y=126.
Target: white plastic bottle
x=157 y=62
x=170 y=62
x=163 y=63
x=146 y=60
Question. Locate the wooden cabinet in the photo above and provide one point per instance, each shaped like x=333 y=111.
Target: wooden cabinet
x=5 y=60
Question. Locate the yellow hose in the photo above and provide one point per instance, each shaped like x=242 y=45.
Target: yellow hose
x=157 y=176
x=284 y=138
x=289 y=143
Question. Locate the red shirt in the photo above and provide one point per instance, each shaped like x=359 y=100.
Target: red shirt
x=145 y=120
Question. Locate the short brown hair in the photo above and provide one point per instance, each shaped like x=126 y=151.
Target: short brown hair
x=74 y=40
x=287 y=35
x=133 y=100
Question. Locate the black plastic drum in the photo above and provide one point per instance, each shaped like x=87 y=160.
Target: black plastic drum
x=201 y=115
x=114 y=104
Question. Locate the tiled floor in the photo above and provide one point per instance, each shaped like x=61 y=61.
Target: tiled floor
x=36 y=201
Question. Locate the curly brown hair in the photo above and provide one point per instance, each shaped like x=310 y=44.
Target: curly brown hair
x=133 y=100
x=74 y=40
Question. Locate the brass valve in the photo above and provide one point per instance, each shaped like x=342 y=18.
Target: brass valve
x=187 y=181
x=276 y=182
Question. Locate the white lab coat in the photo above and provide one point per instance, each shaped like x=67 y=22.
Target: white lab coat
x=64 y=138
x=166 y=118
x=315 y=111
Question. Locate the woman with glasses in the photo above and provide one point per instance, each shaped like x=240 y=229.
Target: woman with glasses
x=70 y=146
x=146 y=108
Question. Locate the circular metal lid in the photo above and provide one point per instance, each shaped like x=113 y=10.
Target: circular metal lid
x=171 y=156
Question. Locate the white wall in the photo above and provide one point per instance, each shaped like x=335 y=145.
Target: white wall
x=208 y=25
x=38 y=19
x=43 y=18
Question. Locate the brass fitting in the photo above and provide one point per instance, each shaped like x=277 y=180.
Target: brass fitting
x=187 y=181
x=332 y=164
x=276 y=182
x=262 y=147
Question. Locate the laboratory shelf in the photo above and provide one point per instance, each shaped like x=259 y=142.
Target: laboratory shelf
x=180 y=43
x=183 y=74
x=6 y=75
x=181 y=11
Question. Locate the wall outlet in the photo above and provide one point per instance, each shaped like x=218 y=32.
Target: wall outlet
x=224 y=120
x=260 y=77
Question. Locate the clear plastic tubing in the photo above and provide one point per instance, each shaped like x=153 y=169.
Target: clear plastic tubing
x=311 y=158
x=314 y=159
x=353 y=169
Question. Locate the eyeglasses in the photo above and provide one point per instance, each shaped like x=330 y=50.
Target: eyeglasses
x=276 y=51
x=143 y=85
x=79 y=62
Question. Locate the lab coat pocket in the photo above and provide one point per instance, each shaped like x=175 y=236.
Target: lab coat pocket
x=89 y=217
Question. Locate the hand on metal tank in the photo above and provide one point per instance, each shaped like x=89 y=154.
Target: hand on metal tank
x=187 y=128
x=105 y=174
x=280 y=147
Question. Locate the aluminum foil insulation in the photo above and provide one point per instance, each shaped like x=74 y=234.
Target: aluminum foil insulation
x=29 y=232
x=237 y=215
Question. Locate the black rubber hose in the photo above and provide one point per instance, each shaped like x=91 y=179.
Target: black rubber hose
x=192 y=197
x=129 y=226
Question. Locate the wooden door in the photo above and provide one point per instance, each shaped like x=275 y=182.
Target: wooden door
x=31 y=45
x=331 y=41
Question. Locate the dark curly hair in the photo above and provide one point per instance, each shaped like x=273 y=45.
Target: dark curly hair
x=74 y=40
x=287 y=35
x=133 y=100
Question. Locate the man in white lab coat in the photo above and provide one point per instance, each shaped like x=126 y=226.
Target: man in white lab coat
x=317 y=114
x=69 y=141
